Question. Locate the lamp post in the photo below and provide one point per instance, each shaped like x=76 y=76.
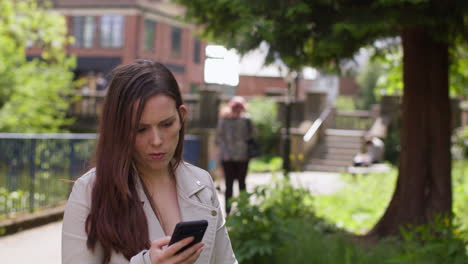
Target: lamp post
x=287 y=135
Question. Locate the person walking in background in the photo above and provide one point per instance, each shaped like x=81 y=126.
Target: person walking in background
x=375 y=149
x=233 y=131
x=125 y=209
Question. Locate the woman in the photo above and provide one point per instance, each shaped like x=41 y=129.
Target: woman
x=234 y=129
x=125 y=209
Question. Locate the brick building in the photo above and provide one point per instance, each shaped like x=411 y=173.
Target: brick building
x=112 y=32
x=261 y=85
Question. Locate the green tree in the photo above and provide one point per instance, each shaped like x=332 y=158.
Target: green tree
x=367 y=81
x=391 y=78
x=323 y=32
x=34 y=92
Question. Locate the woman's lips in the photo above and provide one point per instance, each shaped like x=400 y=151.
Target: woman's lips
x=156 y=156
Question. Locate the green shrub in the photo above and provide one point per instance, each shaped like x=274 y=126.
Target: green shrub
x=439 y=242
x=263 y=221
x=279 y=223
x=264 y=115
x=460 y=193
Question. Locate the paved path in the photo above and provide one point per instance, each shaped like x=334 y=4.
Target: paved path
x=42 y=245
x=39 y=245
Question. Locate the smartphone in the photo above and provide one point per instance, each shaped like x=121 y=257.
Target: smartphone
x=195 y=229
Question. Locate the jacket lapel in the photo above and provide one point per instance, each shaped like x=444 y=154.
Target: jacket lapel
x=154 y=226
x=196 y=204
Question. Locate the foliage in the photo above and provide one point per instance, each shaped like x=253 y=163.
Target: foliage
x=367 y=82
x=264 y=115
x=279 y=223
x=266 y=164
x=262 y=221
x=438 y=242
x=362 y=201
x=390 y=81
x=34 y=91
x=460 y=193
x=320 y=33
x=459 y=71
x=42 y=166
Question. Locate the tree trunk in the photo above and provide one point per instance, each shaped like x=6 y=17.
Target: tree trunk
x=424 y=183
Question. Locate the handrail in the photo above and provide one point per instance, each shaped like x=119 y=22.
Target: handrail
x=317 y=123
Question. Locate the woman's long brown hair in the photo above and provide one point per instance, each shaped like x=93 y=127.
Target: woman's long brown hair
x=116 y=220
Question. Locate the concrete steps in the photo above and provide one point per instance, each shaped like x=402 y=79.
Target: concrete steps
x=336 y=152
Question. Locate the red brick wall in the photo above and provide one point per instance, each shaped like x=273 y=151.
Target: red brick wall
x=257 y=85
x=253 y=85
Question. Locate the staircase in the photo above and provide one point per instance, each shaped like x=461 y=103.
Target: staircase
x=335 y=153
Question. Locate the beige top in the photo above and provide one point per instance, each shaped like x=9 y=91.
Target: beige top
x=197 y=200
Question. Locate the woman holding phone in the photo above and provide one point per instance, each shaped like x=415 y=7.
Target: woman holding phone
x=125 y=209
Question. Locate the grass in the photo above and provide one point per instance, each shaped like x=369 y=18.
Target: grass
x=265 y=164
x=361 y=203
x=286 y=224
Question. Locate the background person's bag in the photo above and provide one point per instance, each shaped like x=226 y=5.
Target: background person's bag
x=253 y=149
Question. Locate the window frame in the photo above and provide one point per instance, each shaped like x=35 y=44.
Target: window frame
x=111 y=31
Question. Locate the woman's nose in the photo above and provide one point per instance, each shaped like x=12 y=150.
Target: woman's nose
x=156 y=137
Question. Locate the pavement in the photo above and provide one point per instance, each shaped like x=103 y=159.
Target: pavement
x=42 y=245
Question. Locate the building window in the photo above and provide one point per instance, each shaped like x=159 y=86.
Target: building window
x=149 y=35
x=112 y=31
x=196 y=51
x=176 y=38
x=83 y=31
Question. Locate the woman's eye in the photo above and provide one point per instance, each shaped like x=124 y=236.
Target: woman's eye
x=167 y=124
x=141 y=130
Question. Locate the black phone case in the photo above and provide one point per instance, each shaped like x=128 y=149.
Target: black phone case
x=188 y=229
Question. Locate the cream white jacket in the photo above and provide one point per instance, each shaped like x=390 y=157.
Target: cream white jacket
x=197 y=200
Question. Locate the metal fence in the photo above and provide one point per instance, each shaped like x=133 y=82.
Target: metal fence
x=360 y=120
x=37 y=170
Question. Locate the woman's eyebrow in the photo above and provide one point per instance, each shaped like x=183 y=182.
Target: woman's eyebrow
x=171 y=118
x=168 y=119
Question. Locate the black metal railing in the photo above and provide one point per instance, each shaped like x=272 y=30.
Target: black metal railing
x=36 y=170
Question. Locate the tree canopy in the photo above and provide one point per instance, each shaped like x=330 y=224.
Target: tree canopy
x=33 y=91
x=320 y=33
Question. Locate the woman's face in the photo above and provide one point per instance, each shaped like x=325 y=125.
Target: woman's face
x=157 y=134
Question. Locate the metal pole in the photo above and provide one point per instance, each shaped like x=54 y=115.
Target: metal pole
x=287 y=136
x=32 y=174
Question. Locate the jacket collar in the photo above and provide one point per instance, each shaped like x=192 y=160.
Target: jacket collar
x=188 y=183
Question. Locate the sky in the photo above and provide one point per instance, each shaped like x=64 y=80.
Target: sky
x=224 y=66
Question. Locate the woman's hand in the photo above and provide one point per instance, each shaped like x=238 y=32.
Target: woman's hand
x=168 y=255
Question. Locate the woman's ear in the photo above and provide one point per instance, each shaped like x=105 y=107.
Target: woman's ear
x=182 y=112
